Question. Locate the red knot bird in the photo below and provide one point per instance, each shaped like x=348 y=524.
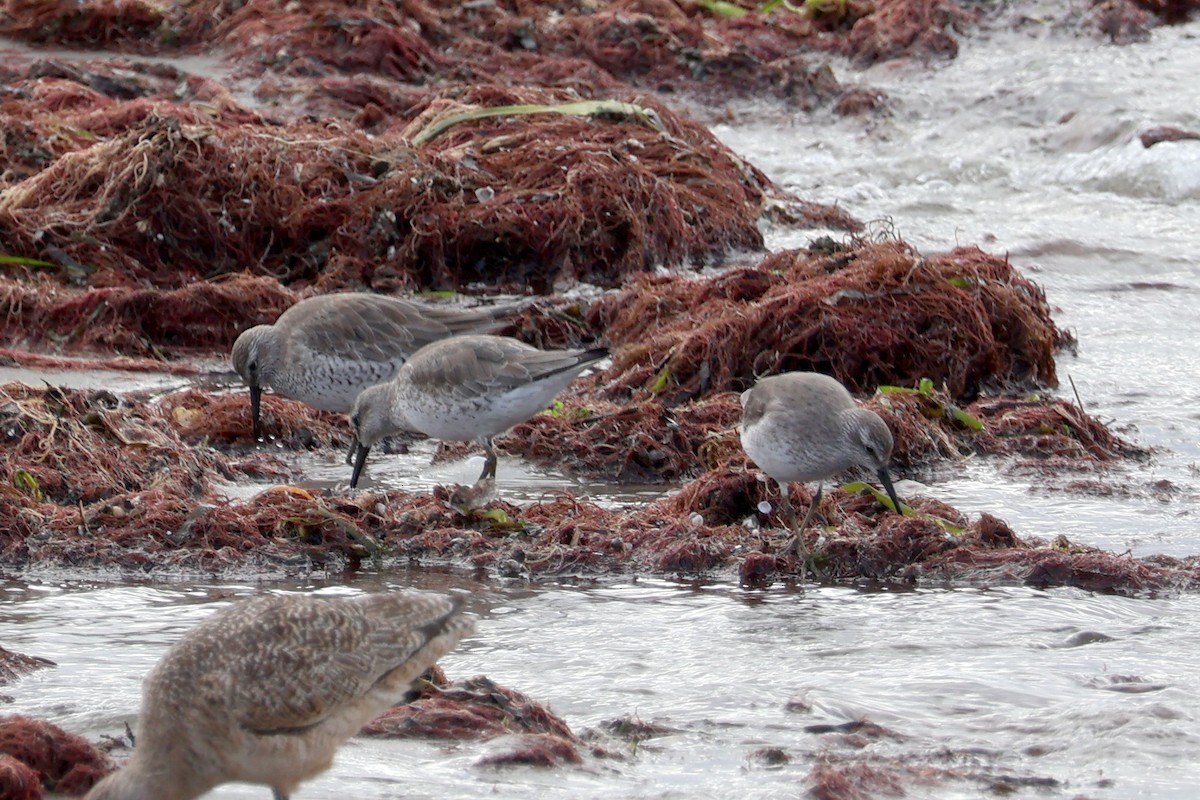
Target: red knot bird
x=265 y=691
x=325 y=350
x=805 y=426
x=466 y=388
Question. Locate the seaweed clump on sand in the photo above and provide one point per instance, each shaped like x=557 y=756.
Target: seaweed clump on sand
x=656 y=44
x=93 y=478
x=183 y=191
x=717 y=525
x=867 y=314
x=36 y=755
x=479 y=708
x=98 y=480
x=525 y=201
x=223 y=420
x=1129 y=21
x=136 y=321
x=636 y=442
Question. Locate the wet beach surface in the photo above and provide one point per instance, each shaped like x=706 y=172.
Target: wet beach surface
x=1025 y=144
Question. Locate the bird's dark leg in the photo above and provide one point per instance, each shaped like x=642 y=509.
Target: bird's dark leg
x=489 y=465
x=785 y=505
x=796 y=543
x=278 y=795
x=812 y=507
x=353 y=450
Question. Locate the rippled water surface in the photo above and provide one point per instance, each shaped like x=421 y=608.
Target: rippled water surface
x=1030 y=685
x=1026 y=146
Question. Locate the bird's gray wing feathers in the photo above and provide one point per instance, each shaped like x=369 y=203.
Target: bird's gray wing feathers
x=369 y=327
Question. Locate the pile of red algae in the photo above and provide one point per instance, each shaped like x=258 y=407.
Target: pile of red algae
x=853 y=772
x=869 y=314
x=136 y=321
x=93 y=478
x=184 y=183
x=687 y=536
x=1129 y=21
x=845 y=766
x=478 y=708
x=97 y=480
x=38 y=756
x=367 y=60
x=524 y=201
x=664 y=45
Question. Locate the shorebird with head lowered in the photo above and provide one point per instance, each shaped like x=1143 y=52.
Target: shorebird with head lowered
x=463 y=389
x=805 y=426
x=266 y=690
x=325 y=350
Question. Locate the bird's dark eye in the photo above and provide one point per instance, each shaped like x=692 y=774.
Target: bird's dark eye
x=354 y=421
x=253 y=366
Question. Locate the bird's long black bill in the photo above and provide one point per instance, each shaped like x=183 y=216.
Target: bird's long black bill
x=255 y=406
x=886 y=480
x=360 y=461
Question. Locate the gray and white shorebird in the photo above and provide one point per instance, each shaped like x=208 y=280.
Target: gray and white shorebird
x=805 y=426
x=266 y=690
x=325 y=350
x=467 y=388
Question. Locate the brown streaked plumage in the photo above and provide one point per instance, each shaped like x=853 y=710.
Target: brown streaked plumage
x=266 y=690
x=805 y=426
x=325 y=350
x=465 y=388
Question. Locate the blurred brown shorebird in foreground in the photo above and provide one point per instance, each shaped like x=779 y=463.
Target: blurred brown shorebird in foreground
x=266 y=690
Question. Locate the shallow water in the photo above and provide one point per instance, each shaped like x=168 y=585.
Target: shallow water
x=1024 y=145
x=1034 y=685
